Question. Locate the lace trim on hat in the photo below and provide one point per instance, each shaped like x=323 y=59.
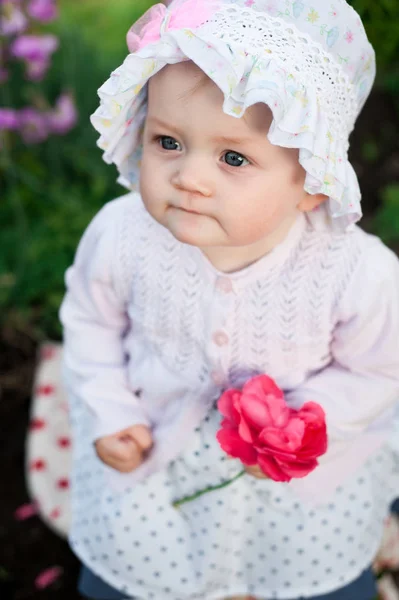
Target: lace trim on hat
x=306 y=58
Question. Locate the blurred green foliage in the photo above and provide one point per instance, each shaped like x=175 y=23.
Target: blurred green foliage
x=103 y=25
x=380 y=18
x=51 y=191
x=386 y=221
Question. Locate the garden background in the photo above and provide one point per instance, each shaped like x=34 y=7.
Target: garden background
x=53 y=180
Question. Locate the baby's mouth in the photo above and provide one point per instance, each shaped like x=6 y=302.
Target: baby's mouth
x=187 y=210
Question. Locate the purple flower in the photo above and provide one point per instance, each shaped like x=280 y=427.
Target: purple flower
x=8 y=119
x=64 y=116
x=12 y=19
x=34 y=47
x=36 y=70
x=33 y=126
x=35 y=50
x=42 y=10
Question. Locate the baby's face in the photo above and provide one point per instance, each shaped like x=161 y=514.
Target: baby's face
x=214 y=180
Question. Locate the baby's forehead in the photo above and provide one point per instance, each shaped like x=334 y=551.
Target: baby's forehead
x=183 y=88
x=184 y=78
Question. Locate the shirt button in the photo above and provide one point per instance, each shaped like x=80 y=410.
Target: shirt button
x=220 y=338
x=217 y=377
x=224 y=285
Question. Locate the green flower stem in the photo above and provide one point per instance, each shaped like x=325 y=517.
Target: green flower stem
x=211 y=488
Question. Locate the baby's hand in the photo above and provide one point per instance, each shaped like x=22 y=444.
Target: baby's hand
x=125 y=450
x=256 y=471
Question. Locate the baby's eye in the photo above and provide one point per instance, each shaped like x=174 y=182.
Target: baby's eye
x=234 y=159
x=169 y=143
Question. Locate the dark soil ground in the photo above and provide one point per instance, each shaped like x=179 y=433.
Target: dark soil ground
x=28 y=547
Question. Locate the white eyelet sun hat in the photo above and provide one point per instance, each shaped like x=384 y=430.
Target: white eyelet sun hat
x=309 y=61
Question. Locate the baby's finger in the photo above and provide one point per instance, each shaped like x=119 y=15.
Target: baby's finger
x=124 y=455
x=142 y=436
x=122 y=449
x=124 y=466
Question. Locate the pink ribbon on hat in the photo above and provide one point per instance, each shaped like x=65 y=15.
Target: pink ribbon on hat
x=159 y=19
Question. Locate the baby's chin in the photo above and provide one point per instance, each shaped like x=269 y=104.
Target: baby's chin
x=191 y=228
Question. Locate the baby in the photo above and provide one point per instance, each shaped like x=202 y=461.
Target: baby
x=238 y=256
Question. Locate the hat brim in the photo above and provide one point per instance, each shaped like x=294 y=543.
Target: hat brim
x=298 y=119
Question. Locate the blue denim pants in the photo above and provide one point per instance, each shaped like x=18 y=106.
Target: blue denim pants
x=364 y=588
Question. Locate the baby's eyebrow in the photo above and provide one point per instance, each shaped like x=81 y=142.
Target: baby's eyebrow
x=160 y=123
x=231 y=140
x=219 y=139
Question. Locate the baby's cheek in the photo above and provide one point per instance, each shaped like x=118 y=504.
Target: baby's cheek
x=247 y=224
x=149 y=186
x=145 y=180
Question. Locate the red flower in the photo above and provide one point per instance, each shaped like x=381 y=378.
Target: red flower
x=45 y=390
x=259 y=428
x=38 y=465
x=37 y=424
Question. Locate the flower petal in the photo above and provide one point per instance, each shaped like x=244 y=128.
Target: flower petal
x=271 y=468
x=275 y=453
x=315 y=444
x=315 y=440
x=26 y=511
x=233 y=445
x=311 y=412
x=263 y=404
x=245 y=431
x=47 y=577
x=266 y=411
x=288 y=439
x=226 y=405
x=296 y=468
x=263 y=385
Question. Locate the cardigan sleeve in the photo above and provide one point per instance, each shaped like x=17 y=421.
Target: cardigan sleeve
x=359 y=390
x=94 y=323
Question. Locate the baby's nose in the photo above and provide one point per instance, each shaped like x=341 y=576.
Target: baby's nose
x=192 y=175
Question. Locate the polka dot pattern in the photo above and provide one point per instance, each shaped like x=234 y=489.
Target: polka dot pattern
x=253 y=537
x=49 y=442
